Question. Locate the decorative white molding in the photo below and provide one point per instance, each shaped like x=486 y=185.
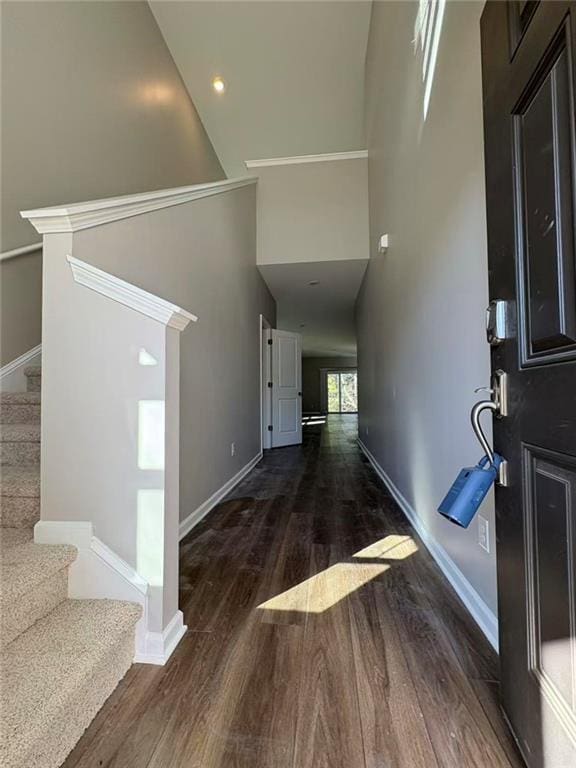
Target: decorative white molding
x=194 y=517
x=476 y=606
x=99 y=573
x=130 y=295
x=120 y=566
x=71 y=218
x=159 y=646
x=12 y=377
x=80 y=534
x=20 y=251
x=359 y=154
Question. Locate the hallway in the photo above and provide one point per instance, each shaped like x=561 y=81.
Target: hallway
x=321 y=635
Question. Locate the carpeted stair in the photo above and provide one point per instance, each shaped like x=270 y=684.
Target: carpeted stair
x=60 y=659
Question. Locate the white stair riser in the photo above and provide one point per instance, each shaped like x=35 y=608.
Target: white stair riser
x=19 y=413
x=19 y=511
x=19 y=453
x=20 y=614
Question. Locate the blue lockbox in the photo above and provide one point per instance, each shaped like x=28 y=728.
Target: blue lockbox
x=468 y=491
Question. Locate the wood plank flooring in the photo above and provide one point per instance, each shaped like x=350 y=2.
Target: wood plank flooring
x=321 y=635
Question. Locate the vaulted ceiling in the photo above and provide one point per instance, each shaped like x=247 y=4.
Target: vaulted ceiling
x=293 y=71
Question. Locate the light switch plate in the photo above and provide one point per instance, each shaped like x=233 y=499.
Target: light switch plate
x=383 y=243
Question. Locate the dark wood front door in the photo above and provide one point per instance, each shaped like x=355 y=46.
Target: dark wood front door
x=528 y=53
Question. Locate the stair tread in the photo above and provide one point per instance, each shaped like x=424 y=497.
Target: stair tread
x=24 y=564
x=46 y=667
x=20 y=433
x=21 y=481
x=20 y=398
x=33 y=370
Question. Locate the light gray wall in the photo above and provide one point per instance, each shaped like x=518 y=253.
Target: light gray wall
x=92 y=106
x=313 y=211
x=420 y=314
x=20 y=305
x=202 y=256
x=311 y=378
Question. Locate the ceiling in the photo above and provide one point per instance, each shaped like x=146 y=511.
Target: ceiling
x=326 y=309
x=294 y=73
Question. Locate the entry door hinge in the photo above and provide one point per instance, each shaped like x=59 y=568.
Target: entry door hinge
x=270 y=342
x=269 y=427
x=270 y=385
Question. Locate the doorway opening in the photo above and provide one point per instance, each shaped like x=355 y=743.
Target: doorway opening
x=341 y=391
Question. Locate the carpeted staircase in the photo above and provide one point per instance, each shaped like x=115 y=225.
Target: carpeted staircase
x=60 y=659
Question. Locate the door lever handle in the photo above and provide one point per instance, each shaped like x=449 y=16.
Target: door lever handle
x=488 y=405
x=498 y=404
x=499 y=392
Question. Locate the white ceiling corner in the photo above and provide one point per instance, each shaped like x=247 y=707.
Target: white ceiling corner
x=294 y=73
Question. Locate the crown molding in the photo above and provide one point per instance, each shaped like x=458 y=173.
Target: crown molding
x=71 y=218
x=359 y=154
x=130 y=295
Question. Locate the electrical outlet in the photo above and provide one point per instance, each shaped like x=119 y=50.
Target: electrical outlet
x=484 y=533
x=232 y=449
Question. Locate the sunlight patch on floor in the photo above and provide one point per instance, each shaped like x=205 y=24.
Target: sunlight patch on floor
x=319 y=593
x=325 y=589
x=391 y=547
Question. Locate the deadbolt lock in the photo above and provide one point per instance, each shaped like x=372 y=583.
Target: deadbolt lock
x=496 y=322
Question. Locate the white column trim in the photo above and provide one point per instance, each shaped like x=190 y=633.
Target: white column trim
x=71 y=218
x=159 y=646
x=130 y=295
x=99 y=573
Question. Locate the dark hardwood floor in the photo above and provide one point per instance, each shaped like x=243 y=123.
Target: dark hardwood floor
x=321 y=635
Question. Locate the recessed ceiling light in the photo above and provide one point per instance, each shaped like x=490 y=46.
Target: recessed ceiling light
x=218 y=85
x=314 y=282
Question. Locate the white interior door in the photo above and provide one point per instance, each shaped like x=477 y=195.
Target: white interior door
x=286 y=388
x=266 y=381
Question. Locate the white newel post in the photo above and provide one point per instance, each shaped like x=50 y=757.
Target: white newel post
x=111 y=434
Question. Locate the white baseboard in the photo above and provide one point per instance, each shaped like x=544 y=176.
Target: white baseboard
x=480 y=612
x=12 y=377
x=99 y=573
x=194 y=517
x=159 y=646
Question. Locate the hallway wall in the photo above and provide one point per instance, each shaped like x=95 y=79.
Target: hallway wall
x=420 y=313
x=312 y=211
x=208 y=267
x=92 y=106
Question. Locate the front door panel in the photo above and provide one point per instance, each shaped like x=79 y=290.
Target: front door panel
x=528 y=84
